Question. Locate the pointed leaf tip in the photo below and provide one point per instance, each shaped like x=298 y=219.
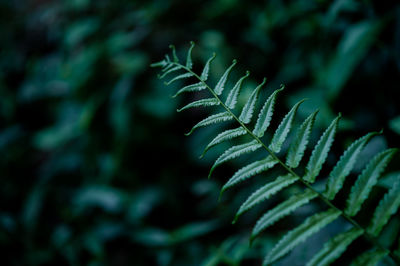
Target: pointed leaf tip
x=231 y=99
x=189 y=63
x=175 y=57
x=284 y=128
x=221 y=83
x=265 y=115
x=248 y=109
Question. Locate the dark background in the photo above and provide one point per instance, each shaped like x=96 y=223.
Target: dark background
x=94 y=166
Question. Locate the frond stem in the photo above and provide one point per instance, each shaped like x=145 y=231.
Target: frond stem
x=367 y=236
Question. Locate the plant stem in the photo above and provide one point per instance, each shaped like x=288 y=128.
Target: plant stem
x=367 y=236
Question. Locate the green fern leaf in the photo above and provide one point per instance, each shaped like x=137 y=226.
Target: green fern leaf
x=335 y=247
x=369 y=258
x=359 y=192
x=190 y=88
x=170 y=70
x=344 y=166
x=206 y=69
x=212 y=119
x=386 y=208
x=366 y=180
x=299 y=144
x=248 y=109
x=189 y=63
x=283 y=129
x=199 y=103
x=163 y=63
x=181 y=76
x=226 y=135
x=265 y=192
x=174 y=56
x=234 y=152
x=298 y=235
x=168 y=66
x=320 y=152
x=221 y=83
x=282 y=210
x=265 y=115
x=231 y=100
x=250 y=170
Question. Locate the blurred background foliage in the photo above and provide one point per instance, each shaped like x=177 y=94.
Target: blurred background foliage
x=94 y=166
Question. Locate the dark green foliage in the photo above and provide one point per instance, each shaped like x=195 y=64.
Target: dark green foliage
x=82 y=117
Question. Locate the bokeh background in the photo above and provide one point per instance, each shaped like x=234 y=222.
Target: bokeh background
x=94 y=167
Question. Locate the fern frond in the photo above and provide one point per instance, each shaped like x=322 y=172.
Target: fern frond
x=370 y=258
x=248 y=109
x=190 y=88
x=206 y=69
x=250 y=170
x=221 y=83
x=226 y=135
x=344 y=166
x=234 y=152
x=366 y=180
x=212 y=119
x=298 y=235
x=299 y=144
x=265 y=115
x=283 y=129
x=359 y=192
x=231 y=100
x=320 y=152
x=386 y=208
x=200 y=103
x=282 y=210
x=265 y=192
x=334 y=248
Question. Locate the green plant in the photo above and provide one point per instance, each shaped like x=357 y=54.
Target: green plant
x=360 y=191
